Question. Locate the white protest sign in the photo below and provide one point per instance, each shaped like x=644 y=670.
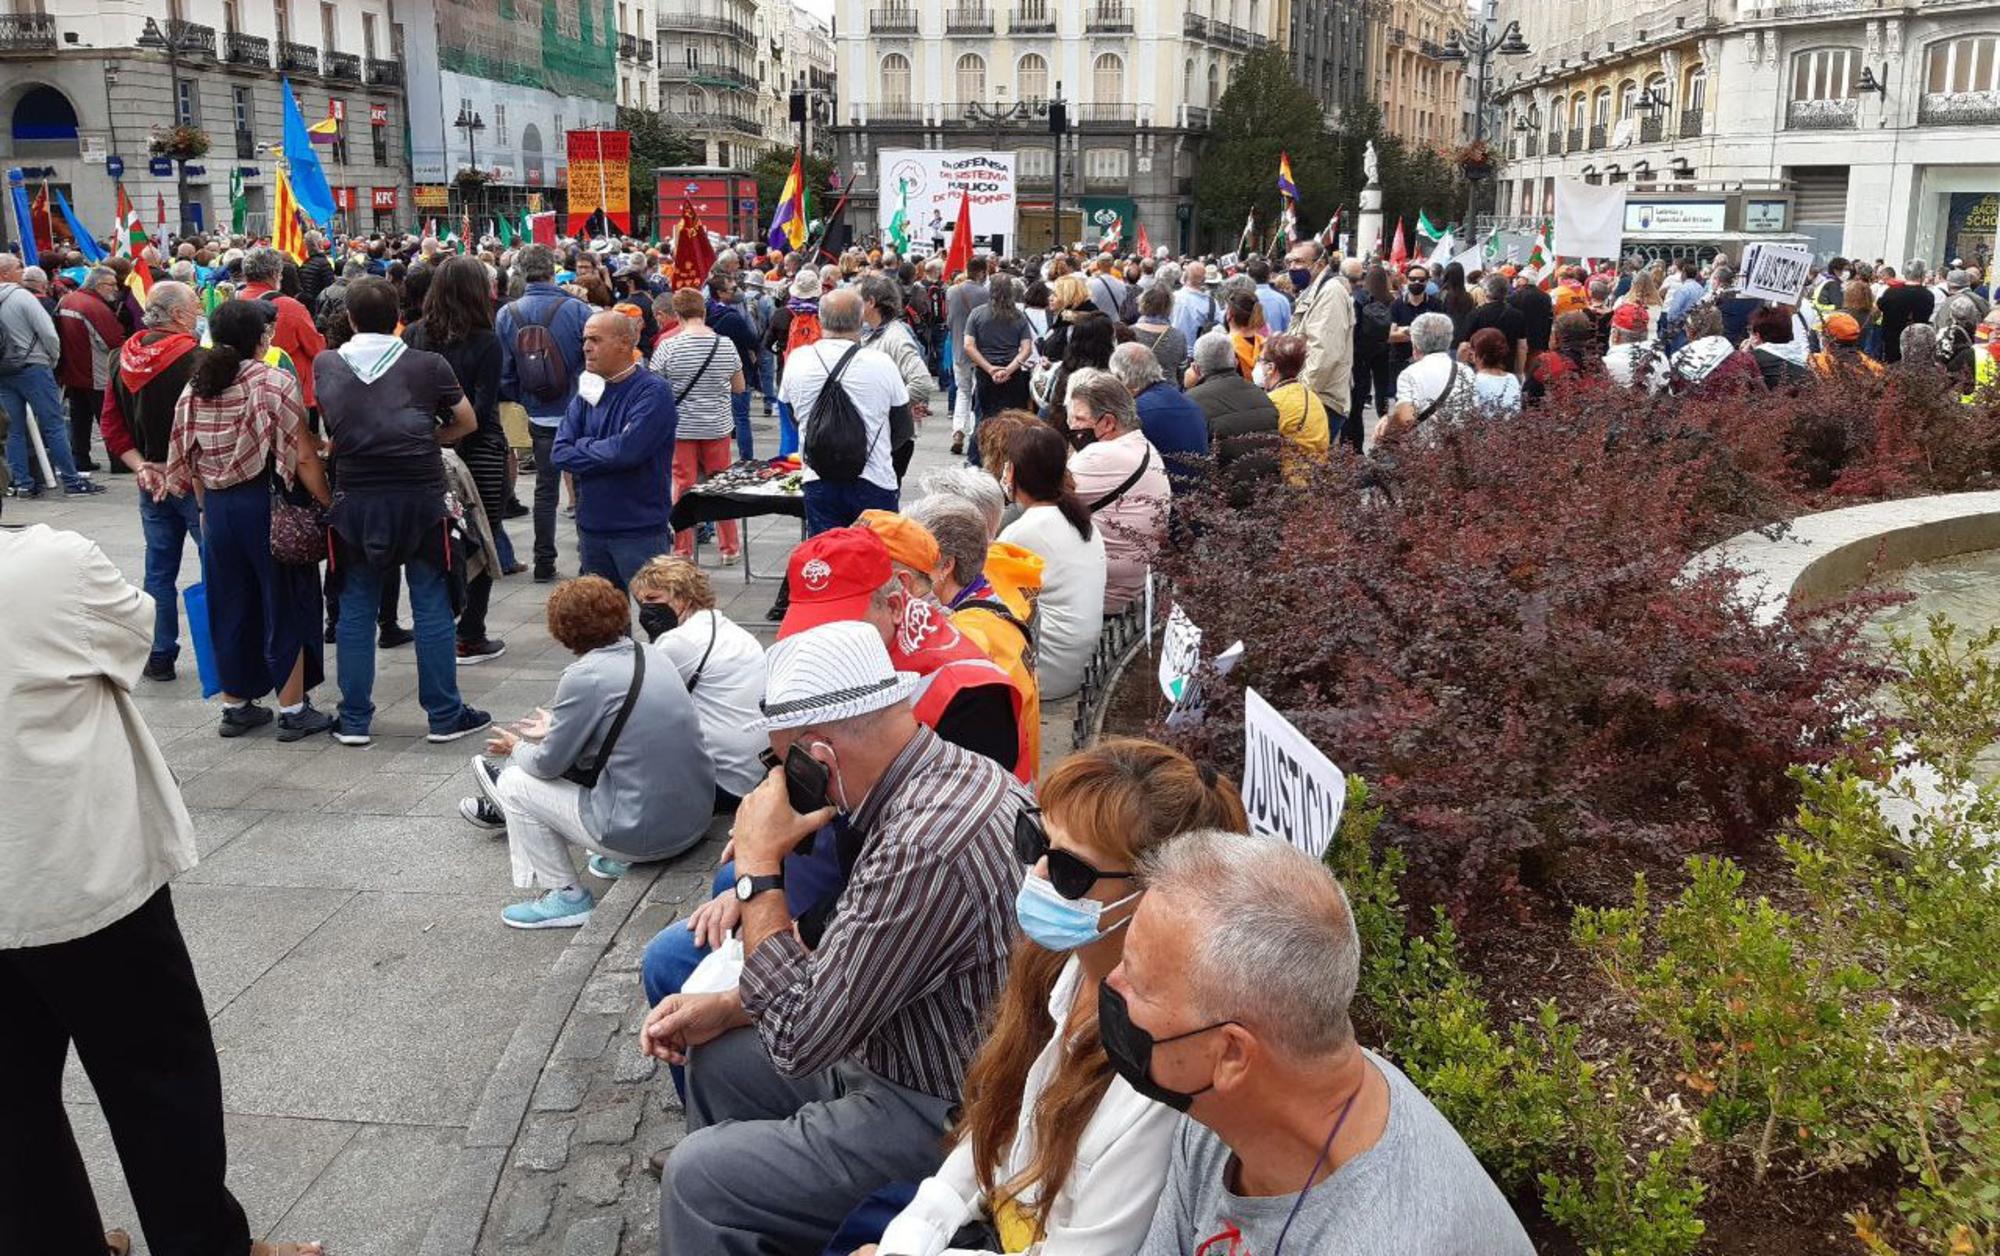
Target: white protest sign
x=1775 y=272
x=1590 y=218
x=1291 y=790
x=1180 y=653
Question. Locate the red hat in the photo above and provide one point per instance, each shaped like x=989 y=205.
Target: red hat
x=833 y=576
x=1631 y=317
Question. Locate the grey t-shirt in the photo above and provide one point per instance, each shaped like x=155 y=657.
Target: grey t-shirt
x=1419 y=1191
x=998 y=339
x=959 y=303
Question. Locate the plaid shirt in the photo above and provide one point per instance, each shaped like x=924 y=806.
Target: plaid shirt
x=225 y=440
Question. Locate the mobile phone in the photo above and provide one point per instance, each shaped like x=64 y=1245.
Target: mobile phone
x=806 y=780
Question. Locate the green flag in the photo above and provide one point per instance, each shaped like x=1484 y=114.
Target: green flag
x=1425 y=229
x=506 y=234
x=239 y=204
x=899 y=226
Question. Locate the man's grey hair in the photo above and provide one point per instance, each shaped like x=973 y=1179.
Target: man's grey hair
x=1136 y=366
x=971 y=485
x=1353 y=270
x=32 y=275
x=9 y=263
x=627 y=329
x=1915 y=269
x=883 y=293
x=1273 y=945
x=1431 y=333
x=1169 y=275
x=1101 y=392
x=1963 y=310
x=98 y=275
x=315 y=241
x=1311 y=258
x=1600 y=288
x=1214 y=354
x=960 y=530
x=1704 y=321
x=1235 y=284
x=1958 y=279
x=182 y=271
x=840 y=313
x=353 y=268
x=264 y=264
x=536 y=262
x=1919 y=342
x=169 y=298
x=1495 y=285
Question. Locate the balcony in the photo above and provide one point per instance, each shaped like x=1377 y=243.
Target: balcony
x=253 y=51
x=718 y=25
x=903 y=112
x=892 y=21
x=1690 y=124
x=628 y=47
x=343 y=66
x=1110 y=19
x=27 y=32
x=645 y=52
x=1959 y=109
x=1035 y=20
x=1111 y=114
x=299 y=58
x=1398 y=37
x=1194 y=117
x=385 y=73
x=709 y=76
x=1823 y=115
x=1600 y=135
x=246 y=146
x=188 y=39
x=1652 y=129
x=968 y=21
x=1575 y=144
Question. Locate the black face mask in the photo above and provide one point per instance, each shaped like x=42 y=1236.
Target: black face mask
x=657 y=618
x=1080 y=436
x=1130 y=1049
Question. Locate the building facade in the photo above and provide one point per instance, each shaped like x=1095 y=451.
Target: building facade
x=1139 y=79
x=1328 y=42
x=1863 y=130
x=82 y=83
x=495 y=91
x=715 y=56
x=1421 y=96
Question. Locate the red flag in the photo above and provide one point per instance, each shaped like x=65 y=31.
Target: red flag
x=694 y=256
x=543 y=227
x=160 y=212
x=1399 y=252
x=43 y=224
x=959 y=255
x=1145 y=248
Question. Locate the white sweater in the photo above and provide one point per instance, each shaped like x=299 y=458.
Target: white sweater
x=1107 y=1201
x=1069 y=612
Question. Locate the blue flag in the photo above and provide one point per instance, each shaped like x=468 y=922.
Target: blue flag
x=308 y=179
x=24 y=217
x=86 y=244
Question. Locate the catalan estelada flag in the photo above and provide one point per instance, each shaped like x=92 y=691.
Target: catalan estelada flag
x=788 y=224
x=1286 y=188
x=287 y=236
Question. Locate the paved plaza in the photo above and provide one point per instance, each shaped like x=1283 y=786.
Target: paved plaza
x=394 y=1059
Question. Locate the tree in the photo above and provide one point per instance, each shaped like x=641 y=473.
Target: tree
x=1266 y=114
x=655 y=143
x=775 y=166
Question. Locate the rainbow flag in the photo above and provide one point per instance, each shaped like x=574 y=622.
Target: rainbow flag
x=788 y=224
x=1286 y=188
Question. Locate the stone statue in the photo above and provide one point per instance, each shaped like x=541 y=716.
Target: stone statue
x=1370 y=166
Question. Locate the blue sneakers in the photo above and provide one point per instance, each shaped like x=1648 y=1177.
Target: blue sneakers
x=608 y=869
x=470 y=720
x=554 y=910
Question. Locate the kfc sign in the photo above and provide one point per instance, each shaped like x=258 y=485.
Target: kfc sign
x=337 y=109
x=383 y=198
x=343 y=200
x=378 y=115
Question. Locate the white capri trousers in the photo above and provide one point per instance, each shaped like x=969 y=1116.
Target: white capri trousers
x=544 y=819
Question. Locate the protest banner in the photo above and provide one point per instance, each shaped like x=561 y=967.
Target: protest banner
x=1775 y=272
x=1291 y=790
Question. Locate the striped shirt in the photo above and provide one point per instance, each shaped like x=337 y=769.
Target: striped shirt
x=701 y=396
x=225 y=440
x=919 y=941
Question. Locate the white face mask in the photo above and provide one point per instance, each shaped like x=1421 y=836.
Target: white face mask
x=590 y=387
x=1260 y=375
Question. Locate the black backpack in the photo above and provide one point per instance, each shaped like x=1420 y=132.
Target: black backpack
x=836 y=438
x=538 y=360
x=1371 y=331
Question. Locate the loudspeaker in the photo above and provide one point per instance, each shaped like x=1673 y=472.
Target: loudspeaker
x=1058 y=117
x=798 y=106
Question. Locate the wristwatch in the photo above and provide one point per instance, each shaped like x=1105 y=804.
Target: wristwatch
x=749 y=887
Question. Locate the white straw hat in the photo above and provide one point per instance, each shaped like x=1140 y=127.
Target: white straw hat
x=830 y=673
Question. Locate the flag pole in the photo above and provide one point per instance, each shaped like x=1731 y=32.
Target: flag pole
x=603 y=186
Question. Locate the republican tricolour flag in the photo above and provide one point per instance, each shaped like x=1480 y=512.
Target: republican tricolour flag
x=788 y=224
x=1286 y=188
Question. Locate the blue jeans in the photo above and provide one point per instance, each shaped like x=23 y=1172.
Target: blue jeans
x=167 y=525
x=788 y=431
x=838 y=503
x=739 y=407
x=34 y=389
x=437 y=646
x=617 y=556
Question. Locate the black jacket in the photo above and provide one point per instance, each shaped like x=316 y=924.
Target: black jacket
x=1243 y=426
x=314 y=277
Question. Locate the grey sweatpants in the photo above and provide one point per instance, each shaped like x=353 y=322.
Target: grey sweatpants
x=773 y=1164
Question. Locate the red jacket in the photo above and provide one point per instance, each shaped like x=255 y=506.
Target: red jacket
x=953 y=667
x=90 y=334
x=295 y=334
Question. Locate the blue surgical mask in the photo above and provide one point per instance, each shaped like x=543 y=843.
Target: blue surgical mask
x=1058 y=923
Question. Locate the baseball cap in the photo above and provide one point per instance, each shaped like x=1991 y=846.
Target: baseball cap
x=1843 y=328
x=1630 y=317
x=908 y=542
x=833 y=576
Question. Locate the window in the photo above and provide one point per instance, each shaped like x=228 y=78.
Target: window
x=971 y=78
x=1826 y=74
x=1628 y=99
x=895 y=79
x=1657 y=85
x=642 y=95
x=187 y=106
x=329 y=26
x=229 y=16
x=240 y=99
x=500 y=124
x=693 y=58
x=1602 y=114
x=379 y=136
x=625 y=90
x=1697 y=89
x=396 y=41
x=1187 y=83
x=1214 y=85
x=1107 y=79
x=622 y=28
x=281 y=11
x=368 y=35
x=1037 y=163
x=1579 y=109
x=1964 y=65
x=1107 y=165
x=1032 y=77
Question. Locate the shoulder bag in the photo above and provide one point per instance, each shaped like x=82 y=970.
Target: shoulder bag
x=587 y=776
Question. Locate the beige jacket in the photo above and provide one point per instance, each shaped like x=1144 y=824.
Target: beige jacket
x=1325 y=317
x=94 y=824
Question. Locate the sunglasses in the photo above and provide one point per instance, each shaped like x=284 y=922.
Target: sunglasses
x=1071 y=876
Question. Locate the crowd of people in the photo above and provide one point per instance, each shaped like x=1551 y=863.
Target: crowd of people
x=945 y=996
